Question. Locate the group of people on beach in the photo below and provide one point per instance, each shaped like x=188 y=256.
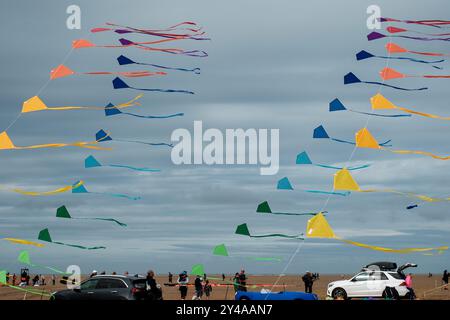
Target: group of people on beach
x=25 y=279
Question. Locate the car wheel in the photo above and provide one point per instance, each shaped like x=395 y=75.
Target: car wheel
x=339 y=292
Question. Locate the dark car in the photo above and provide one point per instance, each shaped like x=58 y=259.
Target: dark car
x=107 y=287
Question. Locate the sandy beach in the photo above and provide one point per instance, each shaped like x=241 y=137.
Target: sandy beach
x=422 y=284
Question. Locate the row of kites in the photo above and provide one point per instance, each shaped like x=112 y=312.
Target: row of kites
x=159 y=41
x=343 y=181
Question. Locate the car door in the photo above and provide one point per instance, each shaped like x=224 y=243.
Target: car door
x=86 y=291
x=376 y=283
x=357 y=286
x=111 y=289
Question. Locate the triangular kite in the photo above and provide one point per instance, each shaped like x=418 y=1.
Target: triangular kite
x=44 y=235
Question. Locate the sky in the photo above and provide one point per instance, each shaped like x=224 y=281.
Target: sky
x=272 y=65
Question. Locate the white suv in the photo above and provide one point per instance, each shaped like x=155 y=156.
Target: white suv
x=370 y=283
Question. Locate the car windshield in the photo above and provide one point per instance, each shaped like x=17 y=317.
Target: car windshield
x=90 y=284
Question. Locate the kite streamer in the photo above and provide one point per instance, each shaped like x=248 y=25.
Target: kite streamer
x=376 y=35
x=120 y=84
x=320 y=133
x=344 y=181
x=62 y=212
x=364 y=139
x=304 y=159
x=362 y=55
x=91 y=162
x=243 y=230
x=337 y=105
x=264 y=207
x=285 y=184
x=82 y=189
x=102 y=136
x=350 y=78
x=194 y=34
x=24 y=242
x=111 y=110
x=36 y=104
x=379 y=102
x=318 y=227
x=62 y=71
x=24 y=257
x=389 y=74
x=395 y=48
x=221 y=250
x=7 y=144
x=44 y=235
x=126 y=61
x=429 y=23
x=47 y=193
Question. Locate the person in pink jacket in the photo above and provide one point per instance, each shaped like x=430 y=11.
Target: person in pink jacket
x=409 y=285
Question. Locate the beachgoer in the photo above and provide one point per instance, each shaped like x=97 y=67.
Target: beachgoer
x=236 y=282
x=223 y=276
x=445 y=279
x=170 y=277
x=93 y=274
x=7 y=277
x=14 y=279
x=153 y=292
x=126 y=273
x=43 y=280
x=409 y=286
x=53 y=279
x=308 y=280
x=207 y=289
x=242 y=281
x=198 y=288
x=183 y=281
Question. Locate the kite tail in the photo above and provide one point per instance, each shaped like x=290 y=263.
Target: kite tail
x=381 y=115
x=195 y=70
x=134 y=168
x=155 y=117
x=344 y=194
x=278 y=235
x=421 y=153
x=340 y=168
x=406 y=250
x=164 y=90
x=394 y=87
x=148 y=143
x=78 y=246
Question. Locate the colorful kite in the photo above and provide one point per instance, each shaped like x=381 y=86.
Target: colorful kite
x=126 y=61
x=198 y=270
x=80 y=188
x=304 y=159
x=344 y=181
x=395 y=48
x=379 y=102
x=243 y=230
x=62 y=212
x=337 y=105
x=91 y=162
x=36 y=104
x=320 y=133
x=24 y=242
x=264 y=207
x=364 y=139
x=376 y=35
x=44 y=235
x=7 y=144
x=62 y=71
x=362 y=55
x=120 y=84
x=318 y=227
x=394 y=30
x=350 y=78
x=24 y=257
x=102 y=136
x=389 y=74
x=111 y=110
x=285 y=184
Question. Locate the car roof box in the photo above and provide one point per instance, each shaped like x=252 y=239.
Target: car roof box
x=383 y=266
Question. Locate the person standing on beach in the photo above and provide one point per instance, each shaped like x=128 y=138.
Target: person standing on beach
x=198 y=284
x=236 y=282
x=183 y=281
x=308 y=280
x=53 y=279
x=207 y=289
x=14 y=279
x=170 y=277
x=223 y=276
x=409 y=286
x=242 y=281
x=445 y=279
x=153 y=292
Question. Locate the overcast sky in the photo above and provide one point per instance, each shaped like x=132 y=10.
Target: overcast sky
x=271 y=64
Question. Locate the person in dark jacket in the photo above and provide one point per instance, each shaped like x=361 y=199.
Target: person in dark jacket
x=198 y=284
x=153 y=292
x=183 y=281
x=242 y=281
x=445 y=279
x=308 y=280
